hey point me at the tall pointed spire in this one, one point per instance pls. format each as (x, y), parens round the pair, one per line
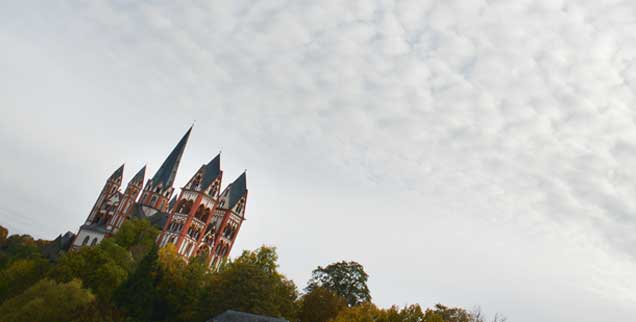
(212, 171)
(118, 173)
(168, 170)
(238, 189)
(139, 177)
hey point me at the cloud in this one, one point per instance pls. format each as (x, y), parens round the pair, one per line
(503, 128)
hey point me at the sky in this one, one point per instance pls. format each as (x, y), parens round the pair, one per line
(466, 152)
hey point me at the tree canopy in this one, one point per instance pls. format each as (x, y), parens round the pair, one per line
(347, 279)
(128, 278)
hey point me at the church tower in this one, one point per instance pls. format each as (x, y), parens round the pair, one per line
(192, 211)
(127, 202)
(158, 190)
(227, 220)
(94, 230)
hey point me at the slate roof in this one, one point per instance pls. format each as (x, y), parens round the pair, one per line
(168, 170)
(59, 245)
(238, 189)
(172, 202)
(158, 220)
(139, 177)
(118, 173)
(234, 316)
(211, 171)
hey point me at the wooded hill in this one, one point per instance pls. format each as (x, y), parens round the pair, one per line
(126, 278)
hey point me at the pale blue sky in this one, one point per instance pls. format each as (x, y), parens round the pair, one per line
(465, 152)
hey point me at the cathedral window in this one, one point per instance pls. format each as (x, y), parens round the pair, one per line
(153, 200)
(196, 182)
(85, 242)
(94, 242)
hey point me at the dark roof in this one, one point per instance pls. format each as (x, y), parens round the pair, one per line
(234, 316)
(118, 173)
(100, 228)
(139, 177)
(158, 219)
(168, 170)
(211, 171)
(238, 189)
(172, 202)
(58, 246)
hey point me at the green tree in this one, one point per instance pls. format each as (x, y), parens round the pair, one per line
(101, 268)
(3, 235)
(320, 305)
(19, 247)
(138, 236)
(364, 312)
(252, 284)
(20, 275)
(447, 314)
(347, 279)
(47, 301)
(180, 285)
(137, 296)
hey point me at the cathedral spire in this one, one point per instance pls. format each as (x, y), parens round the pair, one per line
(138, 179)
(168, 171)
(118, 174)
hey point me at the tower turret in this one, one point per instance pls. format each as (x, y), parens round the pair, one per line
(192, 212)
(94, 229)
(127, 201)
(158, 190)
(227, 220)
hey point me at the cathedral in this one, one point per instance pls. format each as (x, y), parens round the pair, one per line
(201, 219)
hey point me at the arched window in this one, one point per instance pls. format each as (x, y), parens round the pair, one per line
(94, 242)
(196, 182)
(86, 241)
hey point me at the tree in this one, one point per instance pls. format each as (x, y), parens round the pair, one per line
(447, 314)
(363, 312)
(101, 268)
(251, 284)
(47, 301)
(320, 305)
(3, 235)
(19, 247)
(20, 275)
(138, 236)
(347, 279)
(138, 296)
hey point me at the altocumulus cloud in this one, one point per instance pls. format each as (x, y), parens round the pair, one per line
(468, 152)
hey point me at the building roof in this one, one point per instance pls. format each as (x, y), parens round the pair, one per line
(139, 177)
(157, 219)
(211, 171)
(238, 189)
(234, 316)
(55, 248)
(172, 202)
(118, 173)
(168, 170)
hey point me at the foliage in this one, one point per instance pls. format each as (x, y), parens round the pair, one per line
(128, 278)
(448, 314)
(101, 268)
(252, 284)
(3, 235)
(138, 296)
(47, 301)
(20, 275)
(138, 236)
(347, 279)
(17, 247)
(320, 305)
